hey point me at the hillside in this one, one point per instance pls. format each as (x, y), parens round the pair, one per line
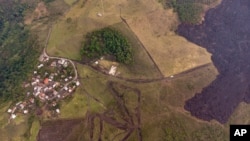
(137, 77)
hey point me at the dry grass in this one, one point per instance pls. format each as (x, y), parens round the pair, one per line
(66, 37)
(142, 66)
(148, 20)
(172, 53)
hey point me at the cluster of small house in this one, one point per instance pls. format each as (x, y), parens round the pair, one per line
(46, 86)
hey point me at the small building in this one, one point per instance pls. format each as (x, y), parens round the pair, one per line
(51, 76)
(32, 100)
(53, 64)
(58, 111)
(33, 83)
(70, 90)
(40, 66)
(66, 79)
(42, 96)
(56, 85)
(65, 64)
(46, 81)
(25, 111)
(36, 94)
(9, 110)
(54, 104)
(55, 92)
(99, 14)
(26, 85)
(61, 61)
(18, 103)
(45, 89)
(66, 88)
(13, 116)
(46, 59)
(112, 70)
(21, 105)
(77, 83)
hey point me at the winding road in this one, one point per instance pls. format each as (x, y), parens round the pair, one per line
(45, 54)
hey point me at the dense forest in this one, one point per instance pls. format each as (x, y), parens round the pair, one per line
(107, 41)
(18, 49)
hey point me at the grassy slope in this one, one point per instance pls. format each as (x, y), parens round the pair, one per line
(163, 116)
(13, 130)
(143, 66)
(34, 130)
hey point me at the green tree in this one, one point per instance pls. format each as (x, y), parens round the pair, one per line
(107, 41)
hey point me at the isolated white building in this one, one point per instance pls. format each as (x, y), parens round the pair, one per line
(112, 70)
(13, 116)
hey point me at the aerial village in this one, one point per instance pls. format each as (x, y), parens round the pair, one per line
(52, 80)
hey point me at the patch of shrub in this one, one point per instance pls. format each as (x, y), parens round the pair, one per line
(188, 10)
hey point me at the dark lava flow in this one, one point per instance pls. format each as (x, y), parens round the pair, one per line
(226, 34)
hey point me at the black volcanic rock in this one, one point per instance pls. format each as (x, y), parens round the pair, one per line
(226, 34)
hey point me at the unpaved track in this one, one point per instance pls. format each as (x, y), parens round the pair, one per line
(168, 78)
(45, 54)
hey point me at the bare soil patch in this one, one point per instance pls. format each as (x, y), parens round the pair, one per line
(39, 12)
(57, 130)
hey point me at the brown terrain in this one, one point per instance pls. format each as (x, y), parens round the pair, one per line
(39, 12)
(57, 130)
(120, 116)
(226, 34)
(129, 118)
